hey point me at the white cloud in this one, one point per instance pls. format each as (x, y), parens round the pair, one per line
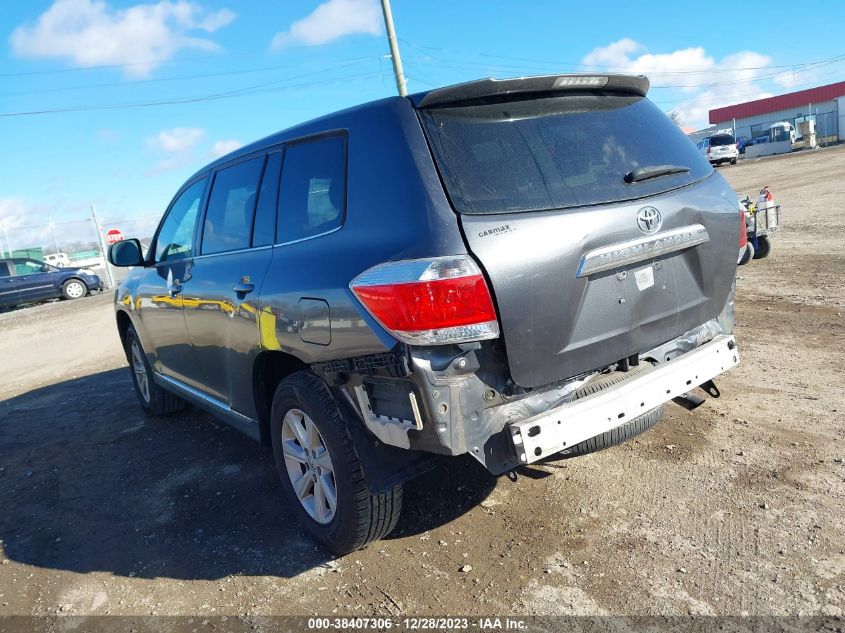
(331, 20)
(704, 82)
(175, 147)
(176, 140)
(90, 33)
(221, 148)
(12, 212)
(789, 79)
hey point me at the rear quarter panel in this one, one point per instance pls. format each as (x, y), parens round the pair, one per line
(396, 209)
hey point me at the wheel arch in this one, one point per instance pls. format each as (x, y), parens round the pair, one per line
(123, 323)
(268, 370)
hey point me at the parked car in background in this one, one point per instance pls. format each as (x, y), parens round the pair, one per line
(719, 148)
(468, 270)
(763, 137)
(24, 280)
(59, 260)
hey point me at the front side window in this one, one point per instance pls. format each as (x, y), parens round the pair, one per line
(312, 193)
(231, 207)
(30, 267)
(4, 269)
(176, 235)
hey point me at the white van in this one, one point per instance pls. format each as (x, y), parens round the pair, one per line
(59, 260)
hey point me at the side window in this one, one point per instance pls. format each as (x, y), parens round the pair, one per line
(176, 235)
(264, 229)
(231, 206)
(312, 193)
(4, 269)
(28, 266)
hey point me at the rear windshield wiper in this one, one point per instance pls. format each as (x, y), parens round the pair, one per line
(654, 171)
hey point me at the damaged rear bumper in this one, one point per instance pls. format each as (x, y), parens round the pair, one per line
(571, 423)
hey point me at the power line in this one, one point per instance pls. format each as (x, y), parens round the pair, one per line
(272, 86)
(738, 96)
(245, 71)
(155, 62)
(463, 54)
(469, 65)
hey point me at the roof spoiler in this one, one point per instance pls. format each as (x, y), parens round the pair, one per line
(471, 90)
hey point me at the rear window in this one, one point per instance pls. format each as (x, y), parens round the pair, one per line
(722, 139)
(312, 193)
(556, 152)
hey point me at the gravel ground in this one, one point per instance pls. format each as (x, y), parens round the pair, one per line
(734, 508)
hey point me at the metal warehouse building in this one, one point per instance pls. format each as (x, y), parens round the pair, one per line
(825, 104)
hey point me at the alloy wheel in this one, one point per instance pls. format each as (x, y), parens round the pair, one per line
(140, 371)
(309, 466)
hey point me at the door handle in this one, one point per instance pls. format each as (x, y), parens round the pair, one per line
(243, 288)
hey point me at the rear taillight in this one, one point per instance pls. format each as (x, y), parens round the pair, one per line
(743, 235)
(429, 301)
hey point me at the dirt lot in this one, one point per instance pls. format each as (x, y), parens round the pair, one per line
(736, 508)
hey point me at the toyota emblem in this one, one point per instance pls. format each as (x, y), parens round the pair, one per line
(649, 220)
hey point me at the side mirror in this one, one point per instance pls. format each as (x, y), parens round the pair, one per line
(126, 253)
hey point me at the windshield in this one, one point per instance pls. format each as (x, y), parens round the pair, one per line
(556, 152)
(722, 139)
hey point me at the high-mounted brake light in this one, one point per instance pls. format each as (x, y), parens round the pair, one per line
(429, 301)
(587, 81)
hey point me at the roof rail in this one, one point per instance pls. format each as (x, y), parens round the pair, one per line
(471, 90)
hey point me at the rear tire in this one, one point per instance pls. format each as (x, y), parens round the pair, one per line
(621, 433)
(74, 289)
(748, 255)
(154, 400)
(733, 161)
(316, 455)
(764, 247)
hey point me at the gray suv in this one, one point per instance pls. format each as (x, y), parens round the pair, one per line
(514, 269)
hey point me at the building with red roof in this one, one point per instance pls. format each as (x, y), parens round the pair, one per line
(826, 104)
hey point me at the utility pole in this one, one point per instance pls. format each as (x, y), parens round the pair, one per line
(52, 227)
(6, 235)
(102, 243)
(394, 49)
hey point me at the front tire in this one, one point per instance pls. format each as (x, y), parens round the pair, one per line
(74, 289)
(322, 477)
(154, 400)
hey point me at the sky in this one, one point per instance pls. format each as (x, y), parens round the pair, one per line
(116, 102)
